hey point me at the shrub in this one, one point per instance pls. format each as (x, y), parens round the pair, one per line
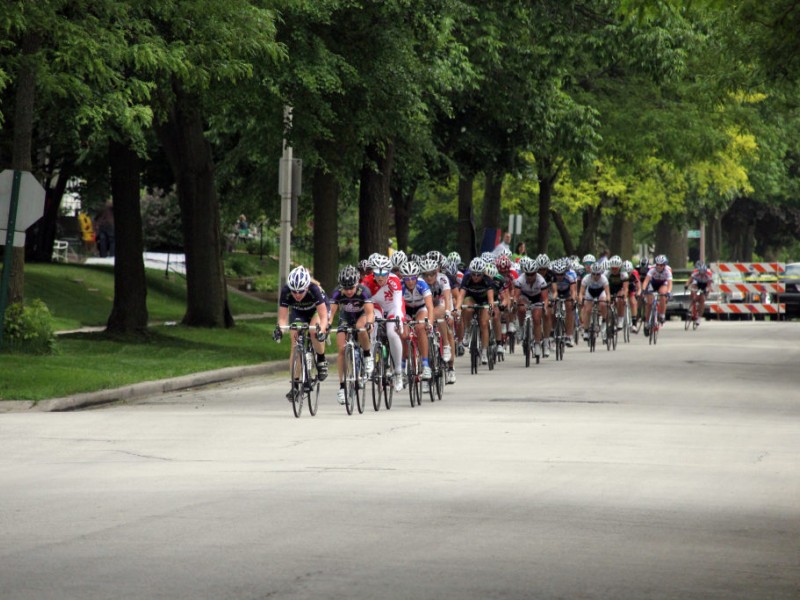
(29, 329)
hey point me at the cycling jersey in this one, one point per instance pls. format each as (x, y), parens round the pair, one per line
(699, 277)
(594, 287)
(439, 286)
(351, 308)
(659, 279)
(508, 279)
(388, 299)
(564, 284)
(634, 282)
(414, 298)
(531, 288)
(616, 281)
(477, 290)
(306, 307)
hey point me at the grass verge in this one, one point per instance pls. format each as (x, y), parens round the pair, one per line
(88, 362)
(82, 296)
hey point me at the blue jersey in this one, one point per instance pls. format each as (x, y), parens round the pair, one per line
(415, 297)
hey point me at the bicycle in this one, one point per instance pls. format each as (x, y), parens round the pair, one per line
(560, 326)
(611, 327)
(304, 387)
(474, 336)
(653, 324)
(413, 370)
(691, 317)
(436, 361)
(626, 323)
(527, 334)
(594, 324)
(384, 372)
(354, 376)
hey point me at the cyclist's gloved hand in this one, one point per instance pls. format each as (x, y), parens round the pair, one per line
(321, 335)
(369, 327)
(277, 334)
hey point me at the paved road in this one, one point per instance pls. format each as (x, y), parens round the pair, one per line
(653, 472)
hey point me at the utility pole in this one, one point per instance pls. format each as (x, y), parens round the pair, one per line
(285, 190)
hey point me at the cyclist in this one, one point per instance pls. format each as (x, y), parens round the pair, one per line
(543, 268)
(657, 281)
(531, 288)
(586, 263)
(442, 309)
(387, 300)
(634, 285)
(564, 285)
(418, 299)
(476, 288)
(356, 311)
(455, 276)
(701, 283)
(498, 282)
(308, 304)
(618, 284)
(509, 275)
(594, 285)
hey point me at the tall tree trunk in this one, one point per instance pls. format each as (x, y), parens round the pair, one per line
(325, 195)
(566, 239)
(129, 312)
(672, 241)
(591, 222)
(189, 154)
(39, 242)
(493, 191)
(21, 159)
(622, 236)
(403, 201)
(545, 199)
(466, 226)
(373, 200)
(714, 239)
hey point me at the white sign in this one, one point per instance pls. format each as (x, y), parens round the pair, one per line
(515, 224)
(30, 206)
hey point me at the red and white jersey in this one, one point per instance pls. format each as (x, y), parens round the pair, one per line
(704, 277)
(509, 278)
(389, 297)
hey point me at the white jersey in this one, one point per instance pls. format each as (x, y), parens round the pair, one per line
(388, 299)
(530, 288)
(658, 279)
(590, 283)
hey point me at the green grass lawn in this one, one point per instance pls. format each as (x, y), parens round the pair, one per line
(81, 296)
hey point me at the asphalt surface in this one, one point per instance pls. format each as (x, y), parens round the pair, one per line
(649, 472)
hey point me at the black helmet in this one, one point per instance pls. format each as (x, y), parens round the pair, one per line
(348, 276)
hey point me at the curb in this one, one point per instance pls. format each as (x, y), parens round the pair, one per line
(145, 388)
(148, 388)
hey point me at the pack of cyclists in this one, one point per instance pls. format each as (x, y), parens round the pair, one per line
(420, 292)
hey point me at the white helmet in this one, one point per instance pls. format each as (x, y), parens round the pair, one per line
(299, 279)
(478, 265)
(409, 269)
(379, 262)
(398, 258)
(589, 258)
(491, 271)
(428, 265)
(615, 262)
(598, 267)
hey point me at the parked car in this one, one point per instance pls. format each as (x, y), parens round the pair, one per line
(791, 297)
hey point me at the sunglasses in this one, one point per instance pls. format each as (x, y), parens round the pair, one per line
(381, 273)
(411, 278)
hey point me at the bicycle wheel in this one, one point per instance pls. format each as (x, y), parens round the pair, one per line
(361, 381)
(349, 379)
(527, 342)
(559, 337)
(312, 397)
(594, 327)
(297, 366)
(389, 373)
(377, 377)
(440, 377)
(474, 353)
(626, 329)
(411, 373)
(511, 337)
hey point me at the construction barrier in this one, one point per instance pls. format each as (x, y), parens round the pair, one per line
(760, 291)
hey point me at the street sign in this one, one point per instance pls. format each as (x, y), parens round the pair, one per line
(515, 224)
(693, 234)
(29, 205)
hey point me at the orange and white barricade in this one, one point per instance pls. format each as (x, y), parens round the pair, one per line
(763, 290)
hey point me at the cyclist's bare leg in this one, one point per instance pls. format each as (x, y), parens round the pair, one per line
(483, 320)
